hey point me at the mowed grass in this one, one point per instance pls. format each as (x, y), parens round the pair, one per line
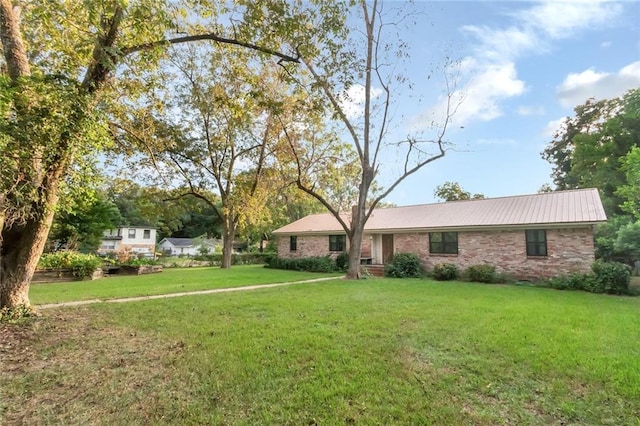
(340, 352)
(174, 280)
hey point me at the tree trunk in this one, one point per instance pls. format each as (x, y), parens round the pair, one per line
(15, 54)
(23, 245)
(355, 246)
(355, 238)
(228, 235)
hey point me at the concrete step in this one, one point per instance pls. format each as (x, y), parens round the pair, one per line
(373, 270)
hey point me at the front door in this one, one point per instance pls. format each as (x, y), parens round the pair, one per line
(387, 248)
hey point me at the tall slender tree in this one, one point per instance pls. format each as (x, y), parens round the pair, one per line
(59, 73)
(362, 71)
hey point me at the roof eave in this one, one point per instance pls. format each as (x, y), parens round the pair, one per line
(496, 227)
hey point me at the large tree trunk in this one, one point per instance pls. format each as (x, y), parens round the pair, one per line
(355, 238)
(19, 260)
(22, 242)
(228, 235)
(19, 254)
(355, 247)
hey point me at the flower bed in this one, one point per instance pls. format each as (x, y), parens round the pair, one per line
(57, 275)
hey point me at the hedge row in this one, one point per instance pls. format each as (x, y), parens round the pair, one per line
(606, 277)
(309, 264)
(215, 259)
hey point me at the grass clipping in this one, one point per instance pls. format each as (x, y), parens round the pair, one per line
(64, 368)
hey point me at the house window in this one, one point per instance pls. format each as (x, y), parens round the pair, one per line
(293, 243)
(132, 233)
(337, 242)
(108, 246)
(536, 242)
(146, 234)
(443, 242)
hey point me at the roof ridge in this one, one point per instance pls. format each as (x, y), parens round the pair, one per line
(492, 198)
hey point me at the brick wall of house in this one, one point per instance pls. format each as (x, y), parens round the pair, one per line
(308, 246)
(568, 250)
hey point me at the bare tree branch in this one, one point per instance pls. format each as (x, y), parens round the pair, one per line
(311, 191)
(336, 106)
(209, 36)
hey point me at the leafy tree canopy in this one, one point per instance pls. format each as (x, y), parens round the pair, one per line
(82, 228)
(452, 191)
(600, 147)
(588, 150)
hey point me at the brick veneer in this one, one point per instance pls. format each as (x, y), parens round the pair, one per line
(307, 246)
(569, 250)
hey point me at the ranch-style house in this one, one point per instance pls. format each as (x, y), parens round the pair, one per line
(526, 236)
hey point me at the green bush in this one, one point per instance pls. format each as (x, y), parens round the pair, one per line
(342, 261)
(445, 272)
(481, 273)
(82, 265)
(403, 265)
(607, 277)
(215, 259)
(575, 281)
(610, 277)
(309, 264)
(140, 262)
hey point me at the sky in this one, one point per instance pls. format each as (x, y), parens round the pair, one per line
(523, 67)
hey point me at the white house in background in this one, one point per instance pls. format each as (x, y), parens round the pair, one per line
(136, 239)
(189, 246)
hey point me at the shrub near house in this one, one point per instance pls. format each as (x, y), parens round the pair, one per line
(606, 277)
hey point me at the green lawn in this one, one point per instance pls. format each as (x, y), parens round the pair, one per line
(340, 352)
(174, 280)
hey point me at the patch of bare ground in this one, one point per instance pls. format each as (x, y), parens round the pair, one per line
(70, 367)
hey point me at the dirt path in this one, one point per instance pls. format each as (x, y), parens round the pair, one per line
(182, 294)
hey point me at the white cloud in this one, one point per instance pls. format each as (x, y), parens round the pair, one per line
(578, 87)
(497, 45)
(352, 101)
(534, 28)
(478, 100)
(490, 75)
(484, 91)
(605, 44)
(530, 110)
(553, 126)
(562, 19)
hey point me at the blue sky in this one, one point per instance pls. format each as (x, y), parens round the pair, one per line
(523, 67)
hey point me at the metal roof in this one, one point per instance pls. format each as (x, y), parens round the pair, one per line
(581, 206)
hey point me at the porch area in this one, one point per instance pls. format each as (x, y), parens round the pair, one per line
(377, 250)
